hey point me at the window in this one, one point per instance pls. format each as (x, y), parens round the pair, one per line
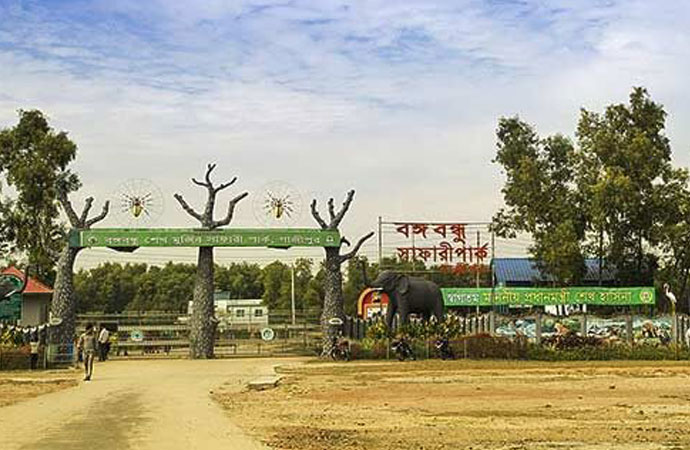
(239, 313)
(228, 309)
(258, 312)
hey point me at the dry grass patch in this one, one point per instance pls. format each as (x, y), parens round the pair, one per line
(16, 386)
(471, 404)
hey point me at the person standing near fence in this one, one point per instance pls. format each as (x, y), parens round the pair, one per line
(87, 345)
(103, 344)
(34, 344)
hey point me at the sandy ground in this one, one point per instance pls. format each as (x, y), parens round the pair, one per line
(472, 405)
(17, 386)
(136, 405)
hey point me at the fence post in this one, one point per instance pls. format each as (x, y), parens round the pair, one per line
(629, 328)
(492, 322)
(537, 330)
(583, 325)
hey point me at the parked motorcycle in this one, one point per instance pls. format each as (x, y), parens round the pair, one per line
(443, 348)
(402, 349)
(340, 349)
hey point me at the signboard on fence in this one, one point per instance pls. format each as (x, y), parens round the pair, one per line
(182, 237)
(549, 296)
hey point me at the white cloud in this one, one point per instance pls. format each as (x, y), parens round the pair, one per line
(397, 99)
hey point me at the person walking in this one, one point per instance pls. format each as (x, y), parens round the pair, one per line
(103, 344)
(87, 345)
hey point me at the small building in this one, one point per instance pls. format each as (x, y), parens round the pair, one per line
(238, 313)
(524, 272)
(372, 303)
(30, 308)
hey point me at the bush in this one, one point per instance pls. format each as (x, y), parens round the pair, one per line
(495, 347)
(15, 358)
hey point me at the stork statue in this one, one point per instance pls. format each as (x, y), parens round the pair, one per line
(670, 295)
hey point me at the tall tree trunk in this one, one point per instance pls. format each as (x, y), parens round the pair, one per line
(203, 323)
(64, 305)
(202, 327)
(333, 282)
(333, 298)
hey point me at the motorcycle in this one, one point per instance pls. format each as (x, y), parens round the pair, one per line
(403, 350)
(340, 350)
(443, 348)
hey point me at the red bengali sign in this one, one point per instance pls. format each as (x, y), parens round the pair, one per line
(455, 245)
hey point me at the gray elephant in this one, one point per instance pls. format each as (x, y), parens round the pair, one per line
(409, 295)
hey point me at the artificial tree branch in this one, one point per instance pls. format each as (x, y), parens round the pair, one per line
(101, 216)
(224, 185)
(69, 210)
(188, 208)
(199, 183)
(207, 184)
(85, 211)
(331, 209)
(209, 169)
(354, 251)
(346, 205)
(231, 211)
(317, 216)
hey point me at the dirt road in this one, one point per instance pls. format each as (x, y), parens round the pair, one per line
(137, 405)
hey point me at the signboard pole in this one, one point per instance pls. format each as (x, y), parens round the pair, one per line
(292, 290)
(380, 241)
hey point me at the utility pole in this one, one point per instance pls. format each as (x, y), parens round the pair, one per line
(292, 291)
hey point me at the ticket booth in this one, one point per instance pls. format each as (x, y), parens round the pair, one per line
(372, 303)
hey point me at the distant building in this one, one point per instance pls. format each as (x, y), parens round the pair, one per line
(238, 313)
(29, 308)
(524, 272)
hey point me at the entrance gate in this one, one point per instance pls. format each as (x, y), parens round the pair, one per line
(165, 333)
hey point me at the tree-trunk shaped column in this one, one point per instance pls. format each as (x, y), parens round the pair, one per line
(333, 282)
(63, 307)
(202, 325)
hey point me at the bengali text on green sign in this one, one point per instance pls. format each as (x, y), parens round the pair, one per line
(228, 237)
(548, 296)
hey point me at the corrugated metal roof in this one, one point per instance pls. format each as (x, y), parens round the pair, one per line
(525, 270)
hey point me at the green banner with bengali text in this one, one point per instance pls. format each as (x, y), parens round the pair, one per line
(183, 237)
(549, 296)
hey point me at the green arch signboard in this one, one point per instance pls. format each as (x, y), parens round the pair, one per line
(130, 238)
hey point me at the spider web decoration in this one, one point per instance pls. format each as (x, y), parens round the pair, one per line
(277, 204)
(137, 203)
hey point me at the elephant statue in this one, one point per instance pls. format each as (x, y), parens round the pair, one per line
(409, 295)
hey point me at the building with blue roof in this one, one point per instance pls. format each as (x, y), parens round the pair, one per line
(524, 272)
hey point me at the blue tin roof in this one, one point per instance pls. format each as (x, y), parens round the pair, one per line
(524, 271)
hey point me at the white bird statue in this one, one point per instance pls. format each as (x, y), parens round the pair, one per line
(669, 294)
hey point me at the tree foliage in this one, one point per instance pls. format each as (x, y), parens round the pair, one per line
(34, 160)
(613, 194)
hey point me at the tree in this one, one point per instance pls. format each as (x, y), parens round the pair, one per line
(673, 234)
(333, 282)
(541, 198)
(203, 323)
(607, 196)
(34, 160)
(64, 303)
(625, 159)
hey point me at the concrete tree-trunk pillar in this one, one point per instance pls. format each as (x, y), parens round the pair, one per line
(202, 324)
(203, 330)
(333, 281)
(63, 306)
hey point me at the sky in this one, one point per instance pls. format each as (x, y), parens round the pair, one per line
(397, 100)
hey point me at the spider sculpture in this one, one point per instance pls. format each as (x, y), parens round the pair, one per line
(279, 207)
(137, 205)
